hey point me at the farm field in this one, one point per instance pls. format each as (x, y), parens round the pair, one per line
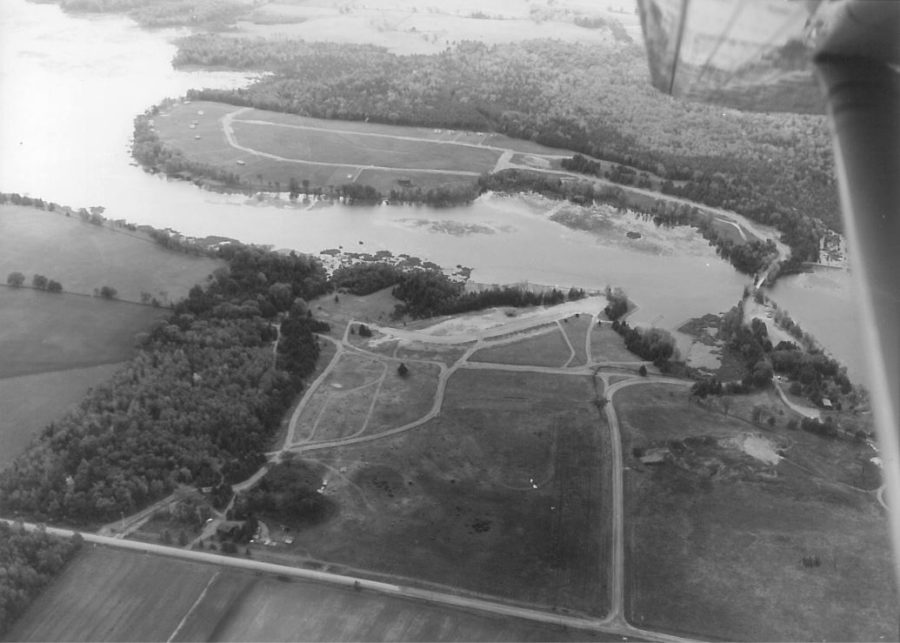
(504, 493)
(84, 257)
(732, 507)
(30, 402)
(41, 332)
(113, 595)
(108, 594)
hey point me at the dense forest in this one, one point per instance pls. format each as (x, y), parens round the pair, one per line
(197, 405)
(28, 562)
(775, 168)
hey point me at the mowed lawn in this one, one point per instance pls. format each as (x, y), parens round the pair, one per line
(30, 402)
(84, 257)
(107, 594)
(716, 538)
(504, 493)
(305, 143)
(547, 348)
(195, 128)
(41, 332)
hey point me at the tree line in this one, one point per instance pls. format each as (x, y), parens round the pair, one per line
(426, 292)
(203, 394)
(38, 282)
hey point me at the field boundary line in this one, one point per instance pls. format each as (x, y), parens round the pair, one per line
(193, 607)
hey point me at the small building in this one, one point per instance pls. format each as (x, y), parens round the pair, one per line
(654, 456)
(404, 182)
(826, 403)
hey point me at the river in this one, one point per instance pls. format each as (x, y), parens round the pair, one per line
(71, 86)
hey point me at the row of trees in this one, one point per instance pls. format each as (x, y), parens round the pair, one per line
(29, 560)
(203, 393)
(428, 292)
(38, 282)
(652, 344)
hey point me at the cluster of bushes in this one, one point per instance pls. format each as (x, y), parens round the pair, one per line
(29, 560)
(652, 344)
(203, 393)
(289, 490)
(618, 304)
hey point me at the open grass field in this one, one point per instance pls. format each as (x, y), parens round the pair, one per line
(268, 149)
(375, 307)
(367, 395)
(30, 402)
(716, 536)
(608, 345)
(83, 257)
(504, 493)
(41, 332)
(403, 399)
(326, 353)
(112, 595)
(549, 348)
(446, 353)
(310, 143)
(576, 329)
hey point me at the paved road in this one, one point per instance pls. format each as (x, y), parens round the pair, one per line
(430, 596)
(617, 598)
